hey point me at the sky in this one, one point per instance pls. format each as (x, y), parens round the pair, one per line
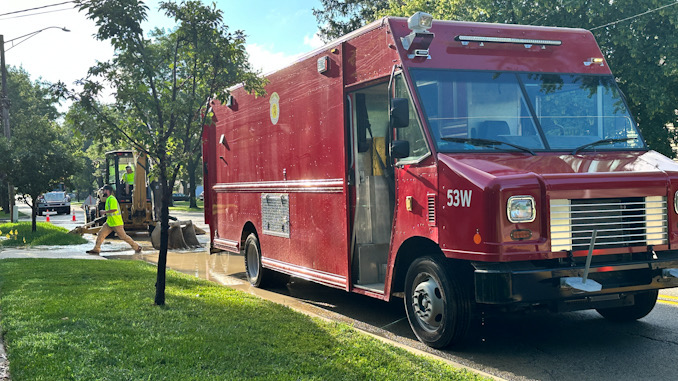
(277, 32)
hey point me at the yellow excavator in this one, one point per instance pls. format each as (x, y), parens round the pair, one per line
(137, 203)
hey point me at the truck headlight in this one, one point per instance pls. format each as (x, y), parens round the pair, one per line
(675, 202)
(521, 209)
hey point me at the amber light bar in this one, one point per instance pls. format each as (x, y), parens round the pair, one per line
(506, 40)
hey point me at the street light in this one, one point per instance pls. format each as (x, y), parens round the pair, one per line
(32, 34)
(4, 101)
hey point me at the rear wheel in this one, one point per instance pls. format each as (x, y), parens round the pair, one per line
(256, 274)
(644, 303)
(438, 303)
(253, 267)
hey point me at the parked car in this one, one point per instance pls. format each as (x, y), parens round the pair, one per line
(179, 197)
(56, 201)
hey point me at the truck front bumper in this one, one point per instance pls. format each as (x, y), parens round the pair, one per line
(539, 282)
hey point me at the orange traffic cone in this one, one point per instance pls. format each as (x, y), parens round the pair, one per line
(73, 216)
(47, 220)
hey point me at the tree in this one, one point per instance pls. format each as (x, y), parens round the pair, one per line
(163, 85)
(38, 155)
(641, 51)
(88, 139)
(338, 17)
(190, 175)
(38, 164)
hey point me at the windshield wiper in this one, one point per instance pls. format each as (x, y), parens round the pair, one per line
(486, 143)
(601, 141)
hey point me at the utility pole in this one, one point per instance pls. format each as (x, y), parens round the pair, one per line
(4, 105)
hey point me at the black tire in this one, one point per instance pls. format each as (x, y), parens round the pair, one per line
(256, 274)
(644, 303)
(438, 303)
(253, 268)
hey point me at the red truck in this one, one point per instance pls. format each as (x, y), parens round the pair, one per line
(460, 166)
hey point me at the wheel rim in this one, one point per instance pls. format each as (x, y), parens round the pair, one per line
(428, 303)
(252, 262)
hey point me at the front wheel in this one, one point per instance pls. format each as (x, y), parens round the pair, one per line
(643, 304)
(438, 303)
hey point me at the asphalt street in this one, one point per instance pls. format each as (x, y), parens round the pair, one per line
(539, 346)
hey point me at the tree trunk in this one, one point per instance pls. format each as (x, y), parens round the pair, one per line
(34, 213)
(164, 234)
(4, 195)
(192, 164)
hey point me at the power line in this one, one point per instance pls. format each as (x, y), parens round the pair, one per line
(36, 13)
(635, 16)
(32, 9)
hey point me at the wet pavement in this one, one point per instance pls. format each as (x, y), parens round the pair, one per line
(110, 248)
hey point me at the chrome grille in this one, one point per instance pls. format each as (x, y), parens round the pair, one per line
(431, 209)
(620, 222)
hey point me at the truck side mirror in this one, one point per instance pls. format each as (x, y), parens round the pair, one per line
(400, 149)
(400, 113)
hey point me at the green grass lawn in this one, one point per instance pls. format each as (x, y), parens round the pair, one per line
(183, 206)
(20, 234)
(66, 319)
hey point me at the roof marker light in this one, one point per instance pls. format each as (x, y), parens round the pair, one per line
(528, 42)
(594, 61)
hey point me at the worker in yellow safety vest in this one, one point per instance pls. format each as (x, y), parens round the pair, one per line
(128, 179)
(113, 223)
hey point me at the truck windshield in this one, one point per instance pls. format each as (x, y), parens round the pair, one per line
(537, 111)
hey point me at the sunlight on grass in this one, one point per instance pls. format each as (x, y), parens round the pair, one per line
(79, 319)
(20, 234)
